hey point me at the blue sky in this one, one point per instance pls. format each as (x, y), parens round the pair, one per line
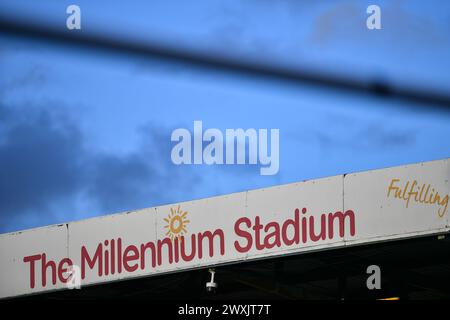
(85, 133)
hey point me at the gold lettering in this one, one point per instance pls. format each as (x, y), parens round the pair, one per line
(412, 191)
(445, 204)
(426, 194)
(391, 187)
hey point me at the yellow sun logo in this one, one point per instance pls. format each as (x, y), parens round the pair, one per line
(176, 223)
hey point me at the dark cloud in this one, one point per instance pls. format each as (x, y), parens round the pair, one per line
(142, 178)
(39, 162)
(369, 137)
(118, 183)
(347, 20)
(45, 168)
(337, 21)
(380, 136)
(34, 77)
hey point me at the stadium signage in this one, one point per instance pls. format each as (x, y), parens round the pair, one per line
(344, 210)
(112, 256)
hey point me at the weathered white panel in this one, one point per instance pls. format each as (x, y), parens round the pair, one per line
(14, 247)
(383, 216)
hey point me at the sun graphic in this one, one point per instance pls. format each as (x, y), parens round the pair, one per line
(176, 223)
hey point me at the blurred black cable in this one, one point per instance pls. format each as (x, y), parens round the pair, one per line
(172, 54)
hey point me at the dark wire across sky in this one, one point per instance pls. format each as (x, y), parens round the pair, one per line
(172, 54)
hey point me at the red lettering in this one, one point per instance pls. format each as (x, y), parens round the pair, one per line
(63, 269)
(295, 225)
(32, 260)
(210, 236)
(257, 228)
(144, 247)
(119, 255)
(113, 257)
(127, 257)
(183, 249)
(91, 262)
(244, 234)
(341, 218)
(45, 265)
(322, 234)
(275, 234)
(168, 243)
